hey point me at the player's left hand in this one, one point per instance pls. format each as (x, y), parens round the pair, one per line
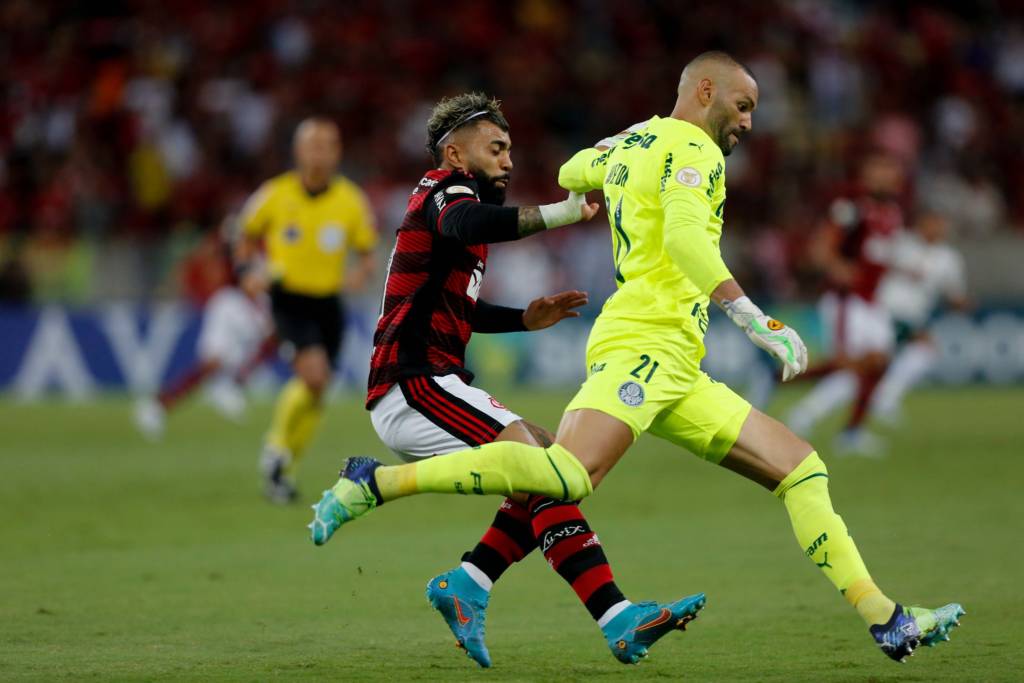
(356, 280)
(781, 341)
(358, 277)
(767, 333)
(548, 310)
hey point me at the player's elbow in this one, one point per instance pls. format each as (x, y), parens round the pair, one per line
(572, 175)
(567, 180)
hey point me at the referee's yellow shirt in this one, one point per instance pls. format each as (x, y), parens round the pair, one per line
(307, 237)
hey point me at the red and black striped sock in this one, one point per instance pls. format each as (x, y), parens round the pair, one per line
(575, 552)
(509, 539)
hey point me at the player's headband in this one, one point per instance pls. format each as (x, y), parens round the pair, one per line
(460, 123)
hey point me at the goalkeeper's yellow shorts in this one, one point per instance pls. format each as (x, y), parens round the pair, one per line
(651, 379)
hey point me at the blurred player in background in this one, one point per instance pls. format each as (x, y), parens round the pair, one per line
(853, 250)
(236, 337)
(926, 273)
(420, 399)
(664, 188)
(307, 221)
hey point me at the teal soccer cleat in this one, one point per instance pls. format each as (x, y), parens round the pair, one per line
(463, 604)
(352, 497)
(634, 630)
(912, 626)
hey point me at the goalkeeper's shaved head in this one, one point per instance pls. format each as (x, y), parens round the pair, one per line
(717, 93)
(713, 61)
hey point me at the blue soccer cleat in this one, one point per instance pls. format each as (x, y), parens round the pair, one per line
(463, 604)
(912, 626)
(634, 630)
(350, 498)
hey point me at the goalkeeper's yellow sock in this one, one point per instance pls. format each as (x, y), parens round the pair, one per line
(303, 430)
(500, 468)
(294, 401)
(824, 538)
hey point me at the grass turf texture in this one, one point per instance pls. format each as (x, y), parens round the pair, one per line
(125, 560)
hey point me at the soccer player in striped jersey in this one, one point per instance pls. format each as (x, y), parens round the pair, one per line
(664, 188)
(420, 398)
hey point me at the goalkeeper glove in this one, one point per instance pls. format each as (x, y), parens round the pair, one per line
(769, 334)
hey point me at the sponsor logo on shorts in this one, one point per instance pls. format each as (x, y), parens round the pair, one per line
(459, 189)
(631, 393)
(688, 176)
(774, 325)
(497, 404)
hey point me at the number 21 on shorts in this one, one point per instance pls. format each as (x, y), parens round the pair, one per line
(645, 360)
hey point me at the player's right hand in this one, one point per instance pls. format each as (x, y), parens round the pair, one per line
(588, 209)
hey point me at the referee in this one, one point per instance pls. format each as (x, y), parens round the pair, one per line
(306, 221)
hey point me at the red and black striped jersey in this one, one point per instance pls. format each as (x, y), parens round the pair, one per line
(431, 289)
(867, 227)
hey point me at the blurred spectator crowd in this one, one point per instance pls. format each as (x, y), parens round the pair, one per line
(130, 132)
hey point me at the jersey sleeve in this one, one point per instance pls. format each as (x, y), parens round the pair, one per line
(585, 171)
(685, 191)
(454, 209)
(450, 192)
(489, 318)
(255, 215)
(363, 232)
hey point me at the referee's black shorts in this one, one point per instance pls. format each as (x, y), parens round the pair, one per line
(303, 321)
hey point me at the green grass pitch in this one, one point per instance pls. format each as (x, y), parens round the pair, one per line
(126, 560)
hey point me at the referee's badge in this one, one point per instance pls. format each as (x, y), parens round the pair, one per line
(631, 393)
(331, 238)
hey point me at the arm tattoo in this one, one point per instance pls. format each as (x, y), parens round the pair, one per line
(541, 436)
(530, 221)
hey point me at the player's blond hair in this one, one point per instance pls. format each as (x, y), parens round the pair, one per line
(452, 113)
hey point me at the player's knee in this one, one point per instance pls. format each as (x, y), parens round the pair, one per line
(794, 451)
(575, 478)
(809, 473)
(317, 382)
(314, 370)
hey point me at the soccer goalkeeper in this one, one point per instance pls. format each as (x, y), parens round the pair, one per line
(664, 187)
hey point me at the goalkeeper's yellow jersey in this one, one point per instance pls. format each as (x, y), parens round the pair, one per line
(308, 236)
(664, 187)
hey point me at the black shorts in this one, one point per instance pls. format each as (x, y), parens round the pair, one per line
(303, 321)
